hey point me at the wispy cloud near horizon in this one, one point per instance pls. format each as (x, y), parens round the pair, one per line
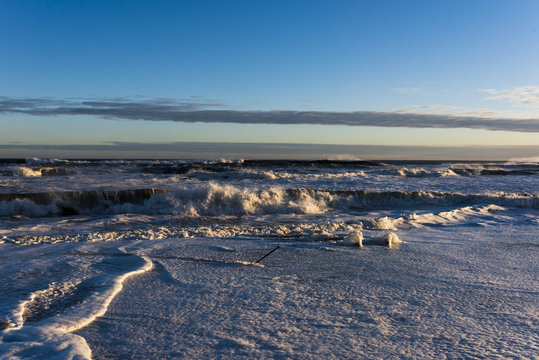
(527, 95)
(190, 111)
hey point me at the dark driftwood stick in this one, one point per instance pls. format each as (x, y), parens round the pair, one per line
(259, 260)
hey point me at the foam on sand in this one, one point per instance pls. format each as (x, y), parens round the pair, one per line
(465, 284)
(354, 238)
(127, 226)
(392, 240)
(36, 332)
(383, 223)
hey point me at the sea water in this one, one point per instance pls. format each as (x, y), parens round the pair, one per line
(159, 259)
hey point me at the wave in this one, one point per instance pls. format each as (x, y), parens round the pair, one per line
(444, 218)
(22, 171)
(534, 160)
(72, 202)
(468, 170)
(366, 200)
(216, 200)
(312, 163)
(186, 168)
(263, 169)
(320, 230)
(26, 172)
(268, 174)
(46, 161)
(226, 166)
(480, 170)
(420, 172)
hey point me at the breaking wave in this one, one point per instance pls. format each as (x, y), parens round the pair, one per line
(26, 172)
(22, 171)
(460, 170)
(215, 200)
(348, 230)
(420, 172)
(480, 170)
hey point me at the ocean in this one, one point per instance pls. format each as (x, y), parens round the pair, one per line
(140, 259)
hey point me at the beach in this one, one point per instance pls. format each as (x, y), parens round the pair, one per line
(165, 259)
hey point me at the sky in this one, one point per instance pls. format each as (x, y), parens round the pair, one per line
(428, 79)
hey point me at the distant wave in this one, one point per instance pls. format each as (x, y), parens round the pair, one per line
(466, 170)
(479, 170)
(221, 166)
(26, 172)
(23, 171)
(420, 172)
(264, 169)
(534, 160)
(215, 200)
(49, 161)
(321, 169)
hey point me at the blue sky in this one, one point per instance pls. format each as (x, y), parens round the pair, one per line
(435, 60)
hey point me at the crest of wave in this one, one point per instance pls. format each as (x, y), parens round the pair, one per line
(342, 157)
(26, 172)
(420, 172)
(528, 160)
(214, 199)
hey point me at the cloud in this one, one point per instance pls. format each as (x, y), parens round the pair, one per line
(483, 113)
(528, 95)
(208, 112)
(427, 109)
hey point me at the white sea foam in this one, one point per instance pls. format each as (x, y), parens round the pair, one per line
(46, 161)
(26, 172)
(524, 161)
(383, 223)
(52, 335)
(27, 208)
(355, 238)
(100, 230)
(456, 216)
(341, 175)
(215, 199)
(392, 240)
(420, 172)
(342, 157)
(316, 231)
(204, 223)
